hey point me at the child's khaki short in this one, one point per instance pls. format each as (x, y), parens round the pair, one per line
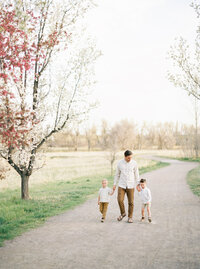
(146, 205)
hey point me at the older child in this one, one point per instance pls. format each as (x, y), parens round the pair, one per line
(145, 195)
(104, 198)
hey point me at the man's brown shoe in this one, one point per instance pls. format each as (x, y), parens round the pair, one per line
(121, 217)
(130, 220)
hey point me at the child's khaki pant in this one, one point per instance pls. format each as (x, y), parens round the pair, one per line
(103, 209)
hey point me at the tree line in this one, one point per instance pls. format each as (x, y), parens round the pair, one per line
(127, 134)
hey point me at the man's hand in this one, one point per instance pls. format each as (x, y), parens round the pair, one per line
(114, 188)
(112, 192)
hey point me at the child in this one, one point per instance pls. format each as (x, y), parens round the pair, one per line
(104, 198)
(145, 195)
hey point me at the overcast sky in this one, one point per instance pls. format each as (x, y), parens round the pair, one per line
(134, 37)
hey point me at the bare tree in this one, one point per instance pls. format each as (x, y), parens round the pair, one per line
(103, 138)
(165, 135)
(196, 127)
(112, 148)
(126, 132)
(91, 137)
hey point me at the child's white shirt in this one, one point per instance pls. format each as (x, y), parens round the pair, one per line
(104, 194)
(145, 195)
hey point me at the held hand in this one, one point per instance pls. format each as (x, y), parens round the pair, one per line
(98, 203)
(138, 187)
(114, 188)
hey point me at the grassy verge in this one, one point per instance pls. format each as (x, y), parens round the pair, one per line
(153, 167)
(50, 199)
(193, 179)
(187, 159)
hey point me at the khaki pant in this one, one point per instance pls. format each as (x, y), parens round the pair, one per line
(130, 196)
(103, 209)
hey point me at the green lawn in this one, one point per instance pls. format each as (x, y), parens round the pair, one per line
(193, 179)
(187, 159)
(52, 198)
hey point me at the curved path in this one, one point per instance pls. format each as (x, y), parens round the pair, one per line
(77, 239)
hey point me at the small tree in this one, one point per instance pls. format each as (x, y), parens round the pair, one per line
(103, 138)
(91, 137)
(125, 132)
(112, 148)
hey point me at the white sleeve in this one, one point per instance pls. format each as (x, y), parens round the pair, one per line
(149, 194)
(137, 178)
(117, 175)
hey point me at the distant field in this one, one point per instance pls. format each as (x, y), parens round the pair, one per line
(69, 165)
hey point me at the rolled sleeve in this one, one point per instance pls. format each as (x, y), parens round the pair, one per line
(117, 175)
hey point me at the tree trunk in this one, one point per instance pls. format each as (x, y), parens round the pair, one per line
(24, 187)
(89, 145)
(196, 130)
(111, 167)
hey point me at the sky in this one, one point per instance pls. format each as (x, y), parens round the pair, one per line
(134, 37)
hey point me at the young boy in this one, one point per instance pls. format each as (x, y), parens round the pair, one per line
(104, 198)
(145, 195)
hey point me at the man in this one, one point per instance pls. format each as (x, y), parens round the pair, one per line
(127, 175)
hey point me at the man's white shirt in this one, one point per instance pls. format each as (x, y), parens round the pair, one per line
(145, 195)
(127, 174)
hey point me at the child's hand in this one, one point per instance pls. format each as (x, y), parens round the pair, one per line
(98, 203)
(138, 188)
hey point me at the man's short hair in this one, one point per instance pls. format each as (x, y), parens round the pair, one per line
(128, 153)
(142, 180)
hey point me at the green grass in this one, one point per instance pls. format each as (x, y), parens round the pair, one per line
(193, 179)
(187, 159)
(50, 199)
(153, 167)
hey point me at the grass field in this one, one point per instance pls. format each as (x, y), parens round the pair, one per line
(48, 199)
(69, 165)
(193, 179)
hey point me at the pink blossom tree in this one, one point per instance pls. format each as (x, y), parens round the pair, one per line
(42, 88)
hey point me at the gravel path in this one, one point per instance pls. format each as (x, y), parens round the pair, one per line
(77, 239)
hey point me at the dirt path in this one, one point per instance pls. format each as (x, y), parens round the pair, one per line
(77, 239)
